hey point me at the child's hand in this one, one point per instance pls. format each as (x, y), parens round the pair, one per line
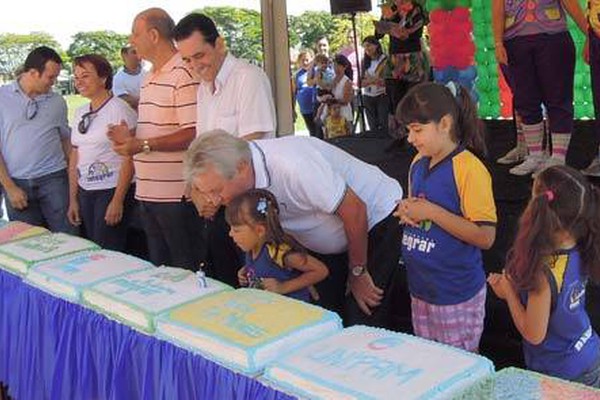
(272, 285)
(243, 277)
(500, 284)
(401, 213)
(413, 210)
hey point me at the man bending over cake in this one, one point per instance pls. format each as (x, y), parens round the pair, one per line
(335, 205)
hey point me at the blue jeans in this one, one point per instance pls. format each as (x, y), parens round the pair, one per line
(47, 202)
(93, 205)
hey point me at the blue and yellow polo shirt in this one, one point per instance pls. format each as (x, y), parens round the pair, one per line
(442, 269)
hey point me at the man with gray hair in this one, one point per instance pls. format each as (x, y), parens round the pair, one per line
(165, 128)
(335, 205)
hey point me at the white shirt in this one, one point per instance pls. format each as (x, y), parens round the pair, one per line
(241, 104)
(98, 165)
(338, 93)
(309, 178)
(125, 83)
(374, 90)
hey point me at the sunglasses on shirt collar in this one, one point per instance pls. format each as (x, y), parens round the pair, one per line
(86, 120)
(31, 110)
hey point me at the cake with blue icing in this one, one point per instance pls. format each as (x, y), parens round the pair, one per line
(137, 298)
(515, 383)
(371, 363)
(245, 329)
(68, 276)
(18, 256)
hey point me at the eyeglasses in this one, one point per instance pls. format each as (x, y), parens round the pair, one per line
(86, 119)
(85, 122)
(31, 110)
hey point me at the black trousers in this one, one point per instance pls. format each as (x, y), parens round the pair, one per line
(383, 265)
(223, 258)
(174, 233)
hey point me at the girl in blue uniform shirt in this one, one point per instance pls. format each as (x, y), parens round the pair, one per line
(449, 215)
(556, 250)
(274, 260)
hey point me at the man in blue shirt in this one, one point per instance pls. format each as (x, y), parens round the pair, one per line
(34, 144)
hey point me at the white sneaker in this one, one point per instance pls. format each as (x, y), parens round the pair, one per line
(594, 168)
(531, 164)
(548, 162)
(515, 155)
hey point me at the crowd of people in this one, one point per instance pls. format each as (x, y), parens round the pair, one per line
(381, 79)
(196, 149)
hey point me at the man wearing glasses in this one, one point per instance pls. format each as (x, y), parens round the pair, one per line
(34, 142)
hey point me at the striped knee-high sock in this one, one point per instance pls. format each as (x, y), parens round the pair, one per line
(560, 145)
(519, 125)
(533, 137)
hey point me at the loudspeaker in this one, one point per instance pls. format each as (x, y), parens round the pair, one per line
(349, 6)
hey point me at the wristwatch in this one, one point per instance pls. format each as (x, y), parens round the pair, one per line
(146, 146)
(358, 270)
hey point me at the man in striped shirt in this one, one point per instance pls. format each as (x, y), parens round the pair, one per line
(166, 126)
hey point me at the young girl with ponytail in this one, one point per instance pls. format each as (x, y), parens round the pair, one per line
(449, 215)
(275, 261)
(556, 251)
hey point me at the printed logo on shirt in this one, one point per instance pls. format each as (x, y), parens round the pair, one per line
(425, 225)
(418, 243)
(584, 339)
(577, 291)
(98, 172)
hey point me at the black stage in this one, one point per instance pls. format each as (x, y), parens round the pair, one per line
(501, 341)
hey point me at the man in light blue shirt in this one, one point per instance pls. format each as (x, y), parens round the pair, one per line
(34, 144)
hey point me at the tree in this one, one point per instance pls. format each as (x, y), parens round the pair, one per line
(14, 49)
(242, 30)
(305, 29)
(105, 43)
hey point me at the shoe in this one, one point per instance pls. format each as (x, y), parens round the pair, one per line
(516, 155)
(594, 168)
(531, 164)
(548, 162)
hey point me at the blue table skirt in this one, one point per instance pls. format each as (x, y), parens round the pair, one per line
(53, 349)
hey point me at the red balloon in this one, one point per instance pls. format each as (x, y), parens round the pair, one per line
(451, 38)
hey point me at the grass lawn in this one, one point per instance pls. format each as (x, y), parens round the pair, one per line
(74, 101)
(299, 125)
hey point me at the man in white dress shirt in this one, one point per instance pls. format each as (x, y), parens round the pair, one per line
(234, 96)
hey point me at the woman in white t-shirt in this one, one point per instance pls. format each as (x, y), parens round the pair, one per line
(375, 98)
(342, 92)
(100, 194)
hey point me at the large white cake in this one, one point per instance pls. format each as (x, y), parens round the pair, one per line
(245, 329)
(372, 363)
(20, 255)
(515, 383)
(15, 230)
(138, 298)
(69, 275)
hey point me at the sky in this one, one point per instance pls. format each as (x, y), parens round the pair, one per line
(64, 18)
